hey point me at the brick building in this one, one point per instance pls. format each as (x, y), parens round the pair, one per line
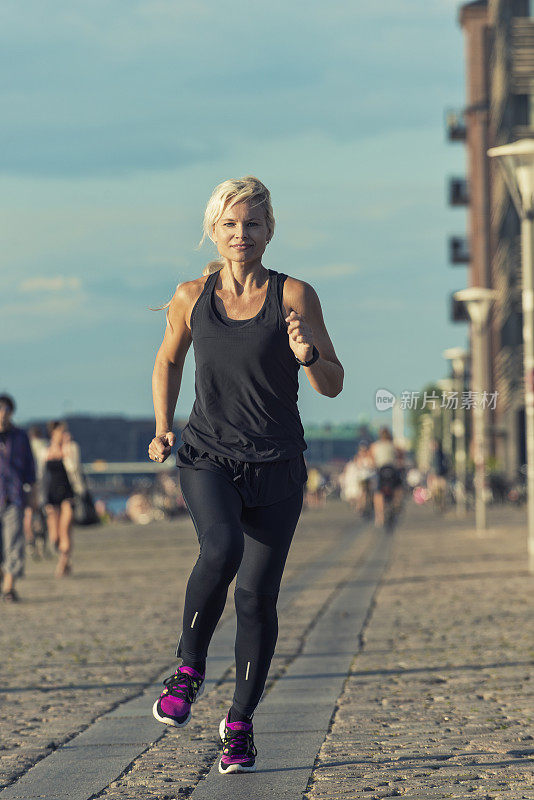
(499, 56)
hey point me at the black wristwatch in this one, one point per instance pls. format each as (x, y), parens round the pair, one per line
(313, 359)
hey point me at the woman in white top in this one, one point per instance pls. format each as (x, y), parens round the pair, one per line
(60, 478)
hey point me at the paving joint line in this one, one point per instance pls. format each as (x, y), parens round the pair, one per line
(315, 566)
(57, 745)
(360, 649)
(340, 585)
(289, 759)
(143, 686)
(290, 593)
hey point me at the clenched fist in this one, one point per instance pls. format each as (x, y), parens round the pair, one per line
(161, 446)
(300, 336)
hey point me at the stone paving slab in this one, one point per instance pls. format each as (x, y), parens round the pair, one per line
(90, 772)
(173, 766)
(115, 727)
(293, 719)
(74, 649)
(439, 703)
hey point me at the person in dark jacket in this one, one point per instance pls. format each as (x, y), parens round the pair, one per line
(17, 471)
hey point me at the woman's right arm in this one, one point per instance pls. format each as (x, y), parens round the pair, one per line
(168, 368)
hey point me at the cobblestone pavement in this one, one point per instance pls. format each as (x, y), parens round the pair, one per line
(174, 764)
(74, 648)
(439, 704)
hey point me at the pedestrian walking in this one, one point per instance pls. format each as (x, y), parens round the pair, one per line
(437, 475)
(358, 480)
(35, 527)
(241, 463)
(17, 475)
(389, 482)
(315, 488)
(61, 480)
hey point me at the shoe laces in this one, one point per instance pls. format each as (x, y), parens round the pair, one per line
(182, 685)
(238, 743)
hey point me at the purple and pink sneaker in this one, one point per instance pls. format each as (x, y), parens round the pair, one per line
(239, 753)
(173, 706)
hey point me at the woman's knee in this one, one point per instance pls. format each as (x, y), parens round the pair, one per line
(221, 550)
(254, 606)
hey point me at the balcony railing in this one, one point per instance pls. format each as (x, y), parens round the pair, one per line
(458, 310)
(522, 54)
(458, 192)
(459, 250)
(455, 126)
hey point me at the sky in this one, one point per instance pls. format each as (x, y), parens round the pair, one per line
(120, 117)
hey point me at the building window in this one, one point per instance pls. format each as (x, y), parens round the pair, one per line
(512, 330)
(522, 8)
(523, 110)
(520, 104)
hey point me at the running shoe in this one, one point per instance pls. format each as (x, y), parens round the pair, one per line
(173, 706)
(239, 753)
(11, 596)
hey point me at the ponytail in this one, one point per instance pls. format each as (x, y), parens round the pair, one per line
(213, 266)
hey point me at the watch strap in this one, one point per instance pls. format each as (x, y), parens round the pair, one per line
(312, 360)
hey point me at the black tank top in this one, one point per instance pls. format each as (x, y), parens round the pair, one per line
(246, 381)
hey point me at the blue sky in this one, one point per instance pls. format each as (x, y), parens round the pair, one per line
(120, 117)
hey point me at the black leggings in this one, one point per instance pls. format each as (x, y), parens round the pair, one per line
(252, 543)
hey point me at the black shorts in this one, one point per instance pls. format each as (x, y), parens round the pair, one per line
(57, 494)
(388, 477)
(259, 483)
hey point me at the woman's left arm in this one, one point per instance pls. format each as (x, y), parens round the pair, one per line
(74, 464)
(306, 328)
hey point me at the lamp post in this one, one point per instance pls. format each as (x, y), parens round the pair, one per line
(517, 163)
(477, 300)
(424, 455)
(458, 358)
(446, 385)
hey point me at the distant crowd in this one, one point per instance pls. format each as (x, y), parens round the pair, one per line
(372, 482)
(43, 491)
(41, 487)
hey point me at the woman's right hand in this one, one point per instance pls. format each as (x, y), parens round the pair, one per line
(161, 446)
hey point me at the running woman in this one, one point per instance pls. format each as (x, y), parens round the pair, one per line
(242, 469)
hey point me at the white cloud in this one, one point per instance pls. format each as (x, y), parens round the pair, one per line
(57, 283)
(78, 315)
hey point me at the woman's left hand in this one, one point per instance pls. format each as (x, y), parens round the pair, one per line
(300, 336)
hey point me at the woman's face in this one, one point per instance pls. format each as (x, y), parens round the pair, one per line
(56, 437)
(241, 234)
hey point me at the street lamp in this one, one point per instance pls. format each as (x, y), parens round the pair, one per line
(446, 385)
(458, 358)
(477, 300)
(517, 163)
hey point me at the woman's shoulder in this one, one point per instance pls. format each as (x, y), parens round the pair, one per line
(185, 297)
(296, 286)
(190, 290)
(297, 293)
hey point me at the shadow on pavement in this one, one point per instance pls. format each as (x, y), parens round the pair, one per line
(441, 668)
(464, 576)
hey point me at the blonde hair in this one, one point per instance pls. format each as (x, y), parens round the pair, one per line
(226, 195)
